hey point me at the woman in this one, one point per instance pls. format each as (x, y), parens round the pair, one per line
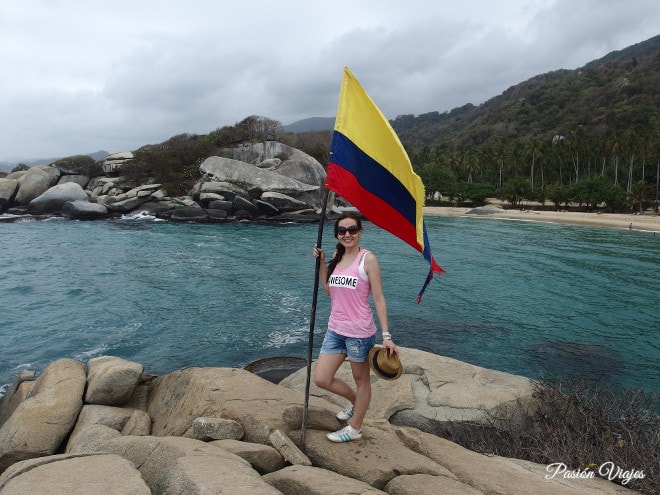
(350, 276)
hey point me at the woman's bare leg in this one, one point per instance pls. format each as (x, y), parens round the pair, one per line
(362, 377)
(324, 376)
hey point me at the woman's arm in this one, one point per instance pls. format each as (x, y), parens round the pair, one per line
(323, 269)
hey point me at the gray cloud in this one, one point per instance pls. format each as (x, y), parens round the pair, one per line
(79, 77)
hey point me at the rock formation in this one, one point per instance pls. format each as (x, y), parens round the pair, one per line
(266, 180)
(112, 429)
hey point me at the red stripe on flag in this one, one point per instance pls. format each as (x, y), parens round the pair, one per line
(373, 207)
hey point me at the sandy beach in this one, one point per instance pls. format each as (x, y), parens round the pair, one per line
(646, 223)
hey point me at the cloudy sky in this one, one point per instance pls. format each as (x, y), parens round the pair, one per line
(78, 76)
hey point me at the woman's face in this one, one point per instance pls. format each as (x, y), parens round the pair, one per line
(348, 232)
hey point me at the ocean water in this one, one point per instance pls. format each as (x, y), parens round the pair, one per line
(522, 297)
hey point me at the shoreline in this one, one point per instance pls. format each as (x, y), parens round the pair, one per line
(643, 223)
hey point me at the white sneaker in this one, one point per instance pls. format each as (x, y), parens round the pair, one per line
(346, 414)
(344, 435)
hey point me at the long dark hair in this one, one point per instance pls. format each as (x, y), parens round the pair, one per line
(340, 249)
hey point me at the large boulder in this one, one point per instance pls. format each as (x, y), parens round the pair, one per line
(184, 465)
(111, 380)
(41, 422)
(177, 399)
(263, 458)
(54, 198)
(426, 484)
(90, 438)
(302, 167)
(113, 162)
(266, 154)
(206, 429)
(8, 188)
(435, 391)
(189, 214)
(240, 203)
(282, 202)
(35, 182)
(99, 423)
(16, 175)
(221, 189)
(16, 393)
(125, 206)
(81, 180)
(82, 209)
(376, 459)
(316, 481)
(106, 474)
(253, 178)
(281, 158)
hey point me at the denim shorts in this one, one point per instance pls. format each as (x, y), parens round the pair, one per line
(356, 349)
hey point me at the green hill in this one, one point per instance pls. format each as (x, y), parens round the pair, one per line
(617, 93)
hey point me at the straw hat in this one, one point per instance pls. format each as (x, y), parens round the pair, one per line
(384, 366)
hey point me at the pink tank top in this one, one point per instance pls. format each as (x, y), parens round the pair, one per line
(350, 313)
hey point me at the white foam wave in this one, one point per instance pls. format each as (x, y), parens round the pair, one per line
(141, 215)
(281, 338)
(98, 351)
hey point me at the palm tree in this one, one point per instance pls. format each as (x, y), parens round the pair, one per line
(613, 147)
(500, 154)
(631, 141)
(638, 194)
(576, 144)
(471, 163)
(535, 147)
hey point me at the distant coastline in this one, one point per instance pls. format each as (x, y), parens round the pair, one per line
(649, 223)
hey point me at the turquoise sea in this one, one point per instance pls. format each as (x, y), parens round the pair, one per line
(523, 297)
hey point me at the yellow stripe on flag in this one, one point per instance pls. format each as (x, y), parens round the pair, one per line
(360, 120)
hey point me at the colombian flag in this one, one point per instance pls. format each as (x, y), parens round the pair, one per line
(369, 167)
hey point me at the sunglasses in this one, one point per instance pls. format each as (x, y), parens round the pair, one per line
(353, 229)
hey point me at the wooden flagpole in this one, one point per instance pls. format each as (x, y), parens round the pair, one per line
(312, 318)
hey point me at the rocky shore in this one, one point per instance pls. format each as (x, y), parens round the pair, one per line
(267, 180)
(108, 427)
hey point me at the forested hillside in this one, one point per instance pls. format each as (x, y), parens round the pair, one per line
(588, 135)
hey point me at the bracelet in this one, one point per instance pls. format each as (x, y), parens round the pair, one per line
(387, 336)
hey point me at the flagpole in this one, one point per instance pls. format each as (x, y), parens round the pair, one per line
(312, 318)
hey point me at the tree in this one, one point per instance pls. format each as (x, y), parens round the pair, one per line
(438, 178)
(20, 167)
(515, 190)
(590, 191)
(173, 163)
(476, 192)
(471, 164)
(500, 154)
(638, 194)
(559, 150)
(614, 196)
(632, 142)
(535, 148)
(613, 146)
(575, 146)
(558, 194)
